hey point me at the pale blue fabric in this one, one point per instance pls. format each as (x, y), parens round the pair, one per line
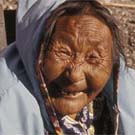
(31, 18)
(19, 110)
(126, 99)
(21, 56)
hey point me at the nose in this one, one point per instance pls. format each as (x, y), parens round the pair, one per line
(75, 73)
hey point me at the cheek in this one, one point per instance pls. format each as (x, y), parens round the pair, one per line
(98, 76)
(52, 69)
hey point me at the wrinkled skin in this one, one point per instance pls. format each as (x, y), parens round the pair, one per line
(78, 63)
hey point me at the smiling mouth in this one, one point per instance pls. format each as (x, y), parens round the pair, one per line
(72, 91)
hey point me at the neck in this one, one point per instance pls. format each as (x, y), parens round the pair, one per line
(73, 116)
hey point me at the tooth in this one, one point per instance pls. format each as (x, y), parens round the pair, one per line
(64, 92)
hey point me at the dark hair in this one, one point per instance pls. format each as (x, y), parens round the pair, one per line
(85, 7)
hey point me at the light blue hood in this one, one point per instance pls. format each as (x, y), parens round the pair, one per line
(21, 56)
(31, 18)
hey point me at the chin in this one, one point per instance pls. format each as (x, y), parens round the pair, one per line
(66, 106)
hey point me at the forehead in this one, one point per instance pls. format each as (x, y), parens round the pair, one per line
(82, 30)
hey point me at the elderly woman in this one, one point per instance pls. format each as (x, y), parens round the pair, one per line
(65, 74)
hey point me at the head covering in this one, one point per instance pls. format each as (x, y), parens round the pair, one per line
(31, 16)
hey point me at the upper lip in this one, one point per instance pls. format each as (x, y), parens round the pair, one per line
(57, 89)
(79, 86)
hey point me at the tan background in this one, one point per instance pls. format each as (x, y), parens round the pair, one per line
(2, 29)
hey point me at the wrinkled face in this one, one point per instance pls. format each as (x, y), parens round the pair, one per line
(78, 63)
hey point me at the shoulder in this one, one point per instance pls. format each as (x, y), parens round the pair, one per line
(126, 85)
(126, 98)
(126, 75)
(7, 78)
(19, 110)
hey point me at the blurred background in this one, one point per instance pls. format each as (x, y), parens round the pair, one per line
(123, 11)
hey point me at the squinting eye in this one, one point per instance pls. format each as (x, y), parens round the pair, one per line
(92, 57)
(63, 53)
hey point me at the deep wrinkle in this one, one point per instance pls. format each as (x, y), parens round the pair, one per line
(79, 60)
(80, 32)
